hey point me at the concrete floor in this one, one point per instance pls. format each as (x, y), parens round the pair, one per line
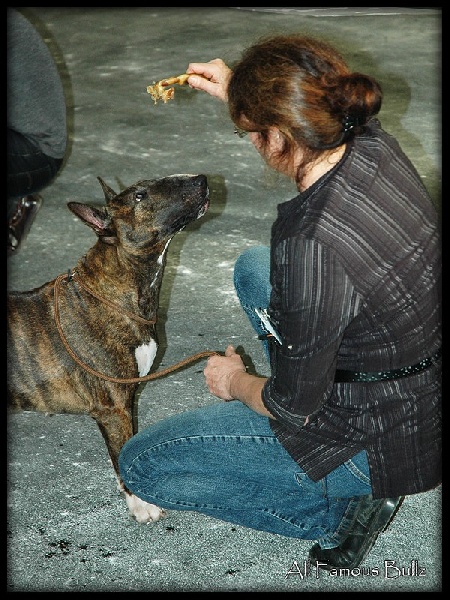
(68, 528)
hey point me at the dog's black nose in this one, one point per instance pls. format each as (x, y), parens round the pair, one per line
(200, 180)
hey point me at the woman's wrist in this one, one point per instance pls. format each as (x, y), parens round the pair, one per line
(235, 384)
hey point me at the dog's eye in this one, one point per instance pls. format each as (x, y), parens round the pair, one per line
(140, 196)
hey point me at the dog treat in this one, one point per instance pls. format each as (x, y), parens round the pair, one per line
(160, 90)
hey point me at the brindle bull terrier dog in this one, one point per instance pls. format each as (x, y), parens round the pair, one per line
(72, 341)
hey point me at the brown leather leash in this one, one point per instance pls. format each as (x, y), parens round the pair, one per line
(182, 363)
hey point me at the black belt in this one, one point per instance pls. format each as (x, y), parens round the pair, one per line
(343, 376)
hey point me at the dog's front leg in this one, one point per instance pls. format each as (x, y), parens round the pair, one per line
(142, 511)
(116, 427)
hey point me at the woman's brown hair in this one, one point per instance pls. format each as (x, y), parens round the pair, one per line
(302, 86)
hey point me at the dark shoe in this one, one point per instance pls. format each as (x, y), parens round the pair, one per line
(373, 517)
(21, 221)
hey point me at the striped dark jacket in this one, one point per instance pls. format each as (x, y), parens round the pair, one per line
(356, 276)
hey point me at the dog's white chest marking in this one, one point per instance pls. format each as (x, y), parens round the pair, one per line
(145, 355)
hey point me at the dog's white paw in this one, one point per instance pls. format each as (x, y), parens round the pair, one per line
(142, 511)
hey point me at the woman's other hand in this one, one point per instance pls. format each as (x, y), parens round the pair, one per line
(215, 77)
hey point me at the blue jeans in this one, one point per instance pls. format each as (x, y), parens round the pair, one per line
(224, 460)
(251, 281)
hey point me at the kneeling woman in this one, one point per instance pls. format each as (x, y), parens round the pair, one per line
(348, 422)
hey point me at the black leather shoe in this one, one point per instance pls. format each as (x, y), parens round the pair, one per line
(372, 517)
(20, 222)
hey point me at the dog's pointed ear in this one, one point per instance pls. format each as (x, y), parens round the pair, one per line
(109, 192)
(98, 219)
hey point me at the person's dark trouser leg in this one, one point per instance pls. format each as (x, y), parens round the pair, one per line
(29, 170)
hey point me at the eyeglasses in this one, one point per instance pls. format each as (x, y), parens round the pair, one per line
(240, 132)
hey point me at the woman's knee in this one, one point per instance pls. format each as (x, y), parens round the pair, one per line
(252, 276)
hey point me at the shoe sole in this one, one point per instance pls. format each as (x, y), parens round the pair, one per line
(395, 504)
